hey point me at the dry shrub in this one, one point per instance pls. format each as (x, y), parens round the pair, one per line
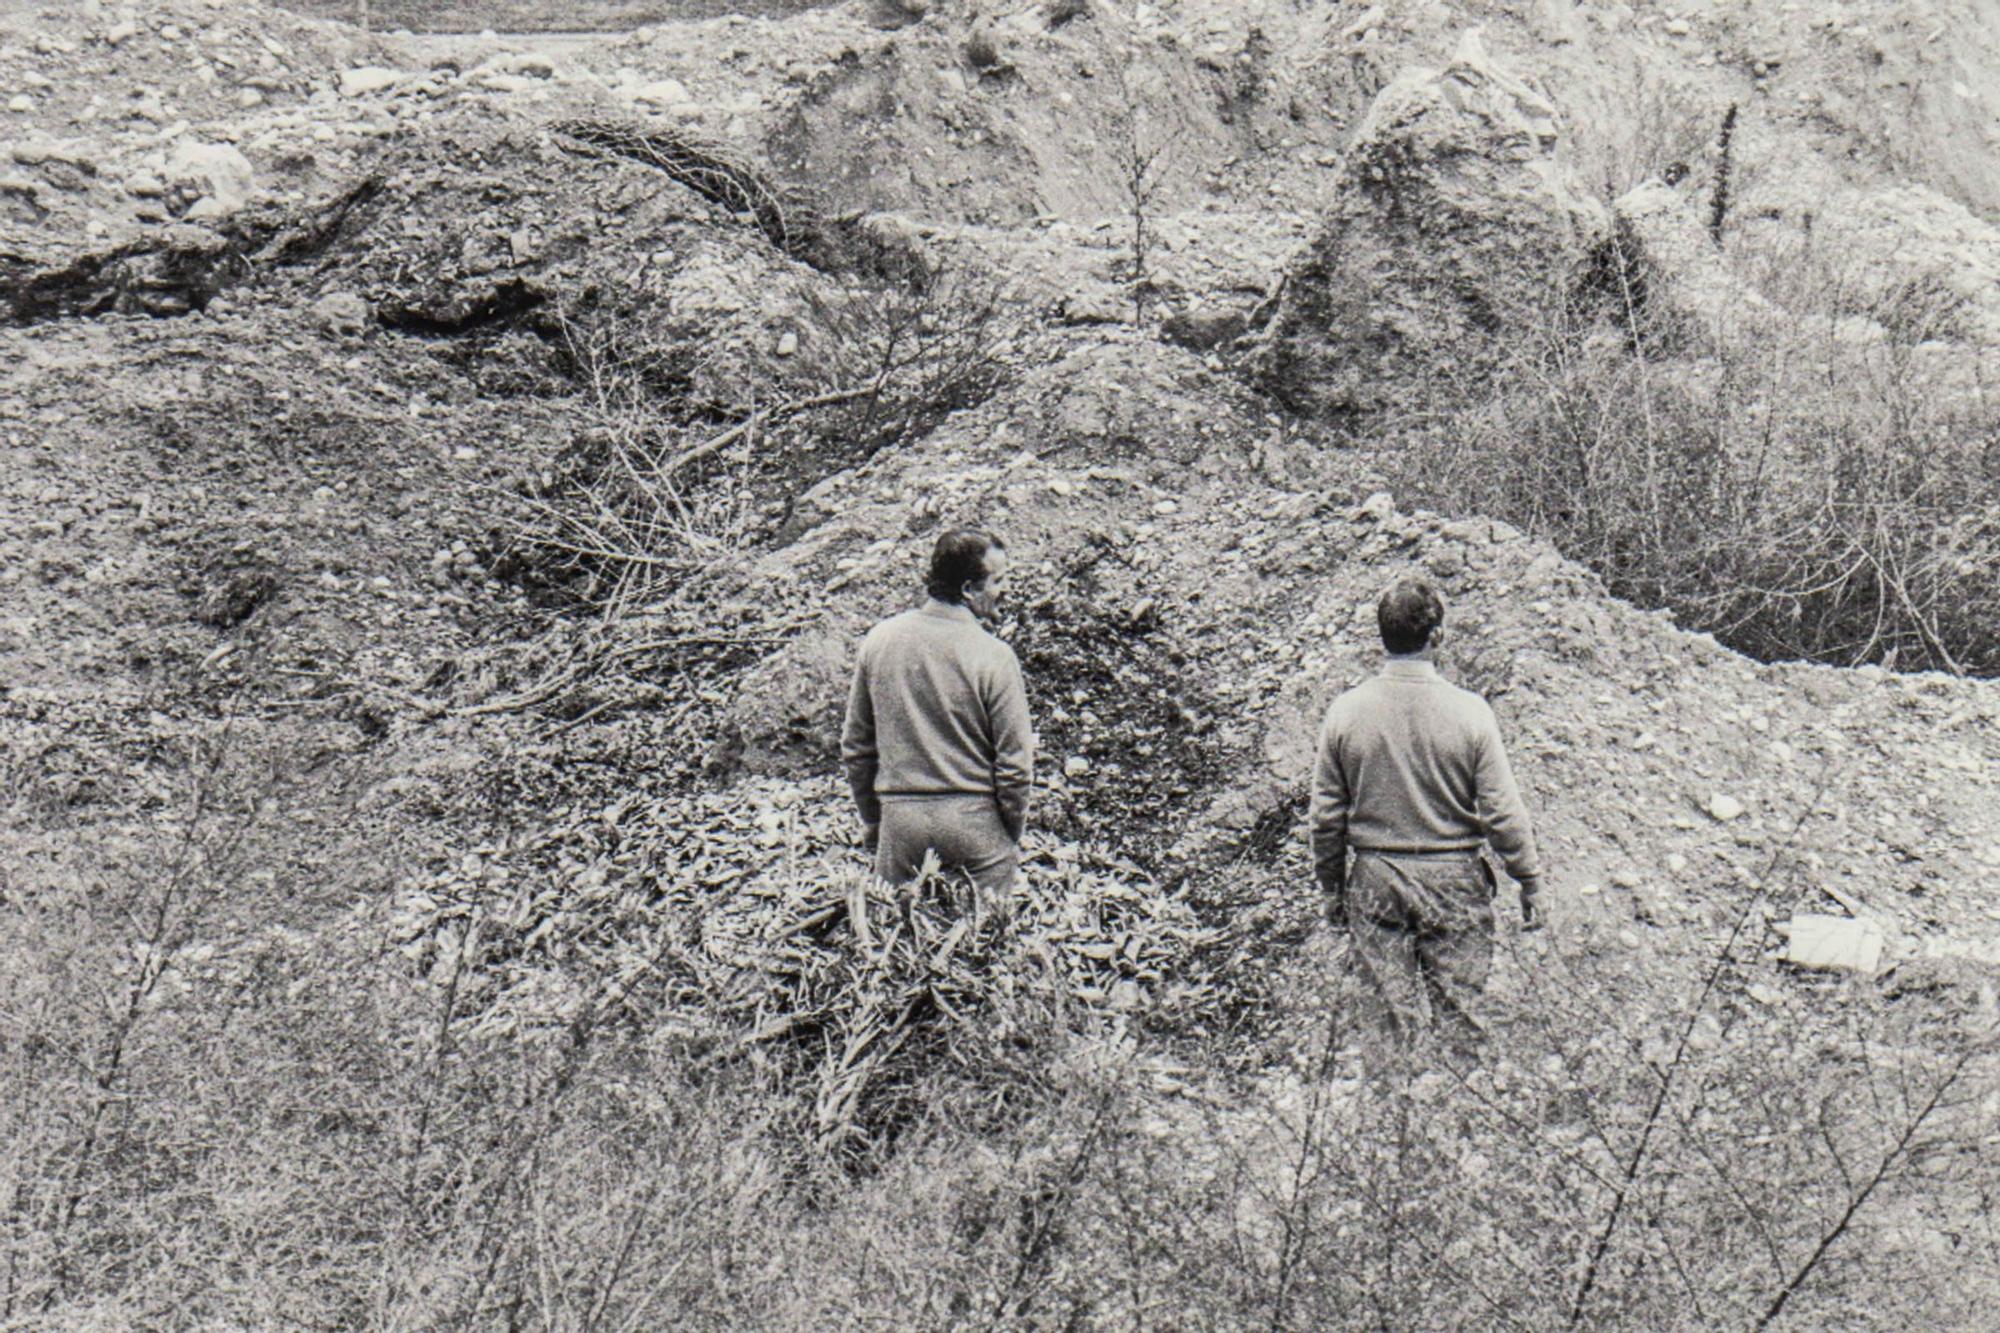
(943, 342)
(1144, 159)
(742, 925)
(1810, 486)
(1661, 131)
(1808, 276)
(655, 489)
(217, 1122)
(616, 512)
(1631, 1145)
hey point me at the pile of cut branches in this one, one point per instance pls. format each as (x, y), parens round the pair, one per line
(788, 217)
(744, 925)
(674, 654)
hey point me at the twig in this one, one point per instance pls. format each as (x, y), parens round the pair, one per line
(1667, 1075)
(1854, 1203)
(427, 707)
(1855, 907)
(537, 693)
(772, 634)
(761, 416)
(589, 714)
(1925, 630)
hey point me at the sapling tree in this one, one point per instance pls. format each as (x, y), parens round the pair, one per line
(1145, 153)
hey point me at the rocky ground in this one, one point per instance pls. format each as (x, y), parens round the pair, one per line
(315, 340)
(474, 16)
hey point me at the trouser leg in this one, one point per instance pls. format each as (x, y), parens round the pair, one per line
(893, 863)
(1423, 932)
(994, 876)
(1456, 958)
(1385, 947)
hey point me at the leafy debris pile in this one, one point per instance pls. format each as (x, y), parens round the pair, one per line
(1126, 737)
(741, 924)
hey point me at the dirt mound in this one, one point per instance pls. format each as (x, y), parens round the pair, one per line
(114, 118)
(1172, 561)
(1176, 524)
(1027, 118)
(473, 16)
(114, 71)
(1911, 86)
(1831, 97)
(477, 222)
(511, 513)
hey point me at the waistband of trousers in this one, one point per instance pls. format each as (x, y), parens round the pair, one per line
(934, 795)
(1422, 853)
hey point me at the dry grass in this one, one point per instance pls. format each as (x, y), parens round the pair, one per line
(210, 1122)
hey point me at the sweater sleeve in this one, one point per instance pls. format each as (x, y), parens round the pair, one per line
(857, 745)
(1501, 810)
(1327, 817)
(1013, 745)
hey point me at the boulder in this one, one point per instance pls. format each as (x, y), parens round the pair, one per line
(1455, 221)
(218, 175)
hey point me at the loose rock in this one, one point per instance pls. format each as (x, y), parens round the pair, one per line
(369, 79)
(663, 92)
(219, 173)
(1723, 808)
(343, 313)
(1834, 943)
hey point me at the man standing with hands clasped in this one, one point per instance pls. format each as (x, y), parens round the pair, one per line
(937, 744)
(1412, 777)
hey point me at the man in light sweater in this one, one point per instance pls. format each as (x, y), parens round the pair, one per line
(938, 748)
(1412, 778)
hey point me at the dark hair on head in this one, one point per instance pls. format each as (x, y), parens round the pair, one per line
(959, 558)
(1407, 614)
